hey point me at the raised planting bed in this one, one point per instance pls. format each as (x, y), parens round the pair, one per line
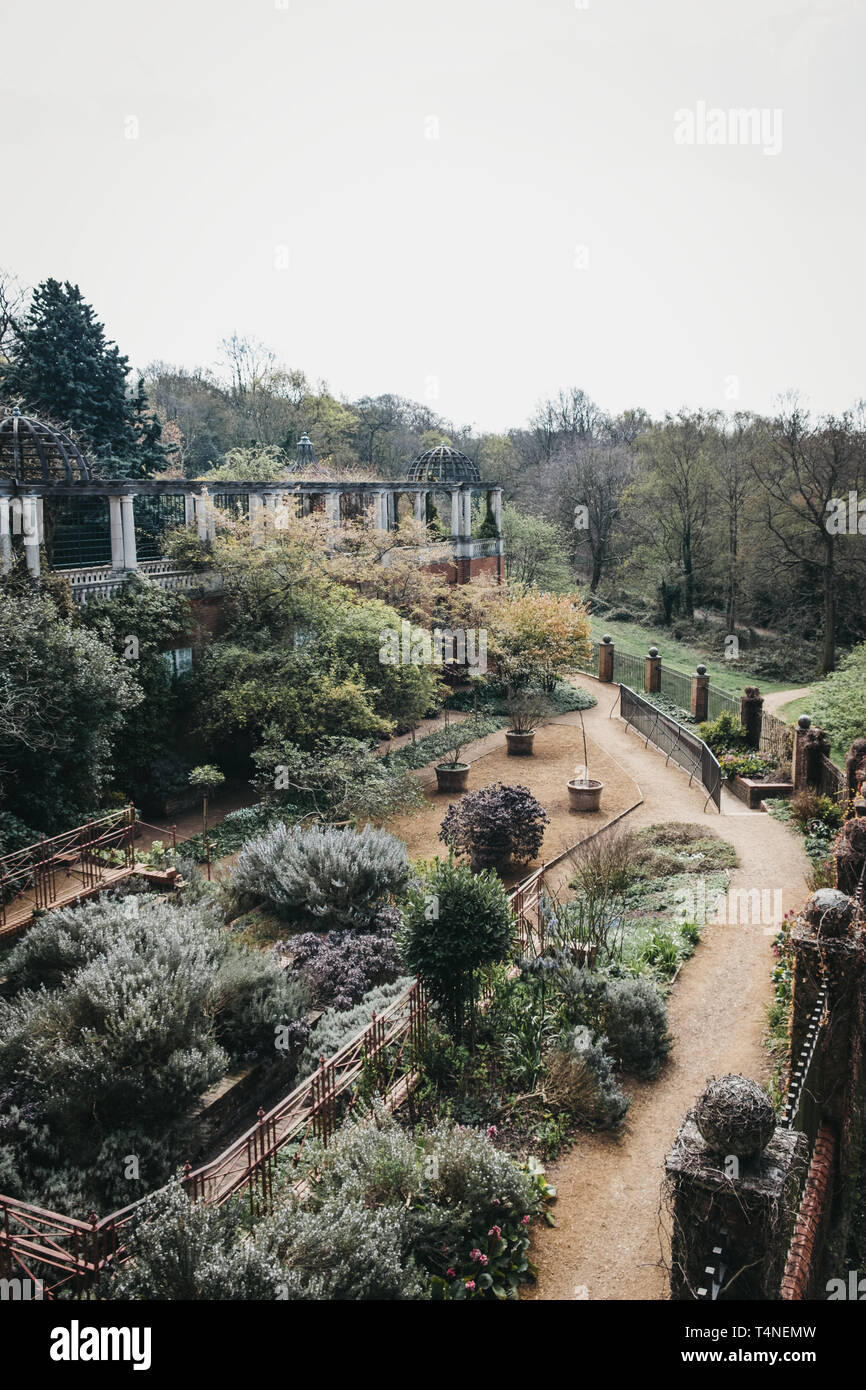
(753, 792)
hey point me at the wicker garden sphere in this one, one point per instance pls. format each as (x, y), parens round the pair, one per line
(443, 465)
(735, 1116)
(830, 912)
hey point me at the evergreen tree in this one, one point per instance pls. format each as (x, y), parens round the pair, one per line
(62, 365)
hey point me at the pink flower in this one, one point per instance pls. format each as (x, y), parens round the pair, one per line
(495, 1231)
(492, 1131)
(524, 1220)
(452, 1273)
(470, 1284)
(482, 1259)
(475, 1254)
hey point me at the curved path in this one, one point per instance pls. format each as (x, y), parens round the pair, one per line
(608, 1243)
(774, 702)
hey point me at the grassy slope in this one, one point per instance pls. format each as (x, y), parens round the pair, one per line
(683, 656)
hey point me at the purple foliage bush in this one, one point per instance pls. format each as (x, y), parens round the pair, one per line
(495, 824)
(343, 966)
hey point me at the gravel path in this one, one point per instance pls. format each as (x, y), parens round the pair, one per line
(608, 1243)
(782, 697)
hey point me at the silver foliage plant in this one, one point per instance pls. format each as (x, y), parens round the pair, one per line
(330, 877)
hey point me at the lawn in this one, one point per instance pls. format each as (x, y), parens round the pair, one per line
(637, 638)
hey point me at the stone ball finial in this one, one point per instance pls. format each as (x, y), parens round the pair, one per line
(830, 913)
(653, 651)
(735, 1116)
(607, 639)
(804, 722)
(701, 670)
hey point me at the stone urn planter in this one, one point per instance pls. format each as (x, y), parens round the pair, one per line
(586, 795)
(452, 777)
(519, 744)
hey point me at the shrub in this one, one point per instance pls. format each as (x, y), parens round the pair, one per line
(724, 734)
(337, 1027)
(138, 1001)
(341, 779)
(342, 967)
(808, 807)
(190, 1252)
(399, 1216)
(454, 924)
(495, 824)
(636, 1022)
(579, 1078)
(336, 877)
(252, 998)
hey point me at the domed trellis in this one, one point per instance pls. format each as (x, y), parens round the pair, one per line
(443, 465)
(304, 456)
(32, 451)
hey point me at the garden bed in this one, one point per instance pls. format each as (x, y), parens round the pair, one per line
(753, 792)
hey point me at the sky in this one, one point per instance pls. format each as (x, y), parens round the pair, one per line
(472, 203)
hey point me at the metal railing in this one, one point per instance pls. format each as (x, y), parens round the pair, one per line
(680, 745)
(802, 1108)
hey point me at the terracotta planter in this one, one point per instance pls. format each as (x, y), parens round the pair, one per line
(585, 796)
(519, 745)
(452, 777)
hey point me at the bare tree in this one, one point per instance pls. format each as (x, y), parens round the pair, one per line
(585, 481)
(803, 470)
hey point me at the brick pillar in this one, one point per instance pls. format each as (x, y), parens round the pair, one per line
(700, 694)
(746, 1210)
(799, 775)
(652, 680)
(605, 659)
(752, 714)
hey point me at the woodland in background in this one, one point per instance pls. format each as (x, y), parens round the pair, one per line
(701, 516)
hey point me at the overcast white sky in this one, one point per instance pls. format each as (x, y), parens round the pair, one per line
(421, 265)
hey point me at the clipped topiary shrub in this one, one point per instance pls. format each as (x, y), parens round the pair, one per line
(494, 825)
(330, 877)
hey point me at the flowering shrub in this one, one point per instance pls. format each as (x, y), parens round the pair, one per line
(495, 824)
(400, 1216)
(743, 765)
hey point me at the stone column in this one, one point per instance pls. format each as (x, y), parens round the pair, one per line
(467, 513)
(652, 681)
(381, 513)
(257, 510)
(5, 537)
(115, 530)
(497, 508)
(127, 518)
(605, 659)
(700, 694)
(201, 511)
(31, 532)
(189, 509)
(455, 513)
(332, 508)
(419, 504)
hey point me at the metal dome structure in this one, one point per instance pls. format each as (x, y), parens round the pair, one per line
(443, 465)
(304, 456)
(34, 452)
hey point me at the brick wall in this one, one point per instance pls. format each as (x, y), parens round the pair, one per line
(804, 1257)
